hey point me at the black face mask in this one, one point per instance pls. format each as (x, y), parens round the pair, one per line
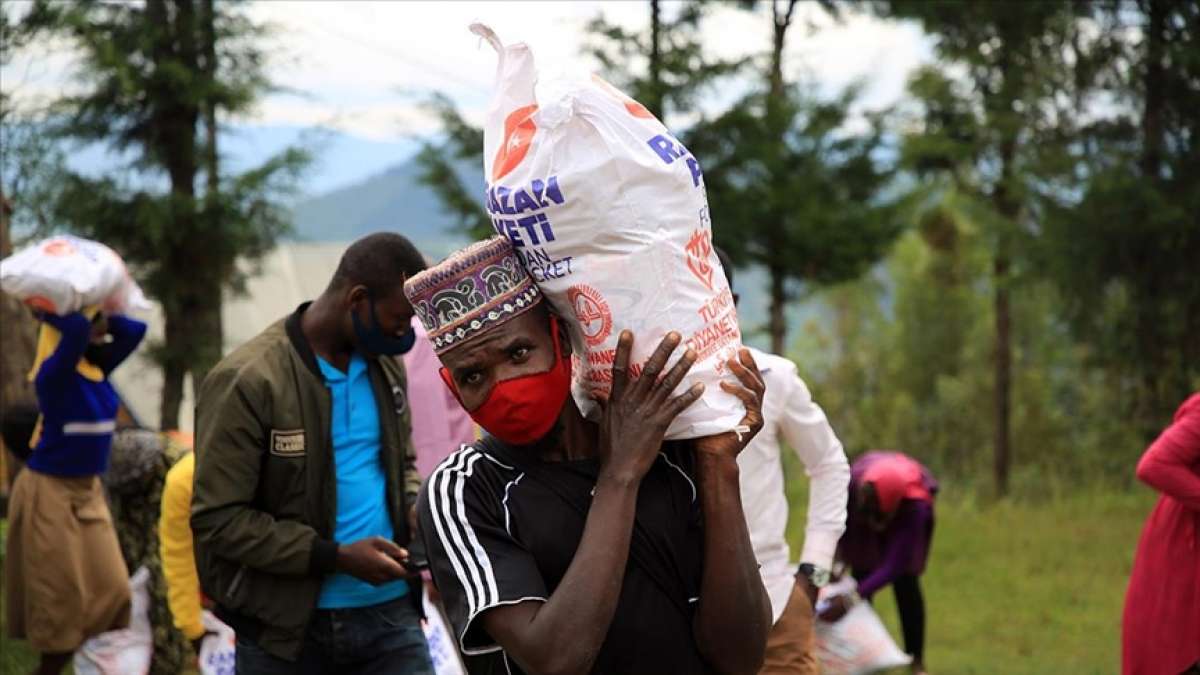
(373, 340)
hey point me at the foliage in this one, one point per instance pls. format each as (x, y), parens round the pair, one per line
(792, 189)
(984, 111)
(1122, 232)
(463, 143)
(1033, 585)
(148, 74)
(901, 359)
(677, 70)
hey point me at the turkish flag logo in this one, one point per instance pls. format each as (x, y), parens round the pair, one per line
(698, 250)
(631, 106)
(518, 134)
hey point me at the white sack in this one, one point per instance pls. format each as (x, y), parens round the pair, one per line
(609, 214)
(64, 274)
(126, 651)
(858, 643)
(443, 651)
(218, 649)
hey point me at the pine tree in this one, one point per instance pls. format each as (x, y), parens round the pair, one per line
(151, 73)
(988, 102)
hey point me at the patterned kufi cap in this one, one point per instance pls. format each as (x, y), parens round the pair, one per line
(471, 292)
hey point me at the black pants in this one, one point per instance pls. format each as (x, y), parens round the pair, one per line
(911, 605)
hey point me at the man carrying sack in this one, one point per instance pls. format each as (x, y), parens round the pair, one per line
(562, 545)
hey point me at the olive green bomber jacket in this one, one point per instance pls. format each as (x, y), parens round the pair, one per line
(264, 505)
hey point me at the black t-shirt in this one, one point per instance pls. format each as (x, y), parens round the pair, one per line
(500, 529)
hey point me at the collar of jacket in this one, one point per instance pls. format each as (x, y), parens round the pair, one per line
(299, 342)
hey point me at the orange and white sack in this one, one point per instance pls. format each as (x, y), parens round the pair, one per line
(609, 213)
(64, 274)
(858, 643)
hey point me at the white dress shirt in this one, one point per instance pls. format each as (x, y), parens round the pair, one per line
(791, 415)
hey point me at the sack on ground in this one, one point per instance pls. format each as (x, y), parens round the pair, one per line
(126, 651)
(64, 274)
(858, 643)
(608, 212)
(218, 649)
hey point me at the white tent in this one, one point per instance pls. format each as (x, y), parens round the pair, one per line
(291, 274)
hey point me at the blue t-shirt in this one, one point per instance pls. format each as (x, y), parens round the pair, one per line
(361, 487)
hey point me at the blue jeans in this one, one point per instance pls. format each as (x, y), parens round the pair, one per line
(377, 640)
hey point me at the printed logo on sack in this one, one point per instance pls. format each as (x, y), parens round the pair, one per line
(699, 248)
(519, 129)
(58, 248)
(591, 310)
(633, 107)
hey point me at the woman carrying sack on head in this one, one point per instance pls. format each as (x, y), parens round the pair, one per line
(65, 577)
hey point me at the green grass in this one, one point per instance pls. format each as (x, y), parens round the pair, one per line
(1021, 588)
(1011, 588)
(15, 657)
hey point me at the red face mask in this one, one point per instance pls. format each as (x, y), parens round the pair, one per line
(523, 409)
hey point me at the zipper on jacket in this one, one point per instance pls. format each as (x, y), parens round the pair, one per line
(236, 584)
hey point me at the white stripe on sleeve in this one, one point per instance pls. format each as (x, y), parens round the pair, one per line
(90, 428)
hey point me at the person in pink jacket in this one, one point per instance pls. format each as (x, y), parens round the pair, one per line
(1161, 626)
(439, 424)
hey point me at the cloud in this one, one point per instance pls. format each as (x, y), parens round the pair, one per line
(362, 62)
(365, 67)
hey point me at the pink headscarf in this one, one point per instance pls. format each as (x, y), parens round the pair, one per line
(896, 477)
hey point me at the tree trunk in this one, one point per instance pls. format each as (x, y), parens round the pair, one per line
(780, 21)
(174, 366)
(210, 329)
(656, 86)
(1155, 94)
(17, 346)
(1007, 206)
(777, 324)
(176, 144)
(1152, 405)
(209, 334)
(1003, 373)
(19, 339)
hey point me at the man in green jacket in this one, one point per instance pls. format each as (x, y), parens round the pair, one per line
(306, 480)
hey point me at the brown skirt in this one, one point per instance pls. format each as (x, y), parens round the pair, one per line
(64, 575)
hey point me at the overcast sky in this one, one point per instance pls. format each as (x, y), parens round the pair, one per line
(362, 67)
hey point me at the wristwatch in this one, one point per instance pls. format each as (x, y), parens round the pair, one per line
(817, 576)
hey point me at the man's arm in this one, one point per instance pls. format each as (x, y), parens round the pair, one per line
(230, 442)
(734, 614)
(564, 634)
(804, 426)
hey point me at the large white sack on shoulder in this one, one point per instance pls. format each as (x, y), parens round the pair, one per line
(64, 274)
(126, 651)
(858, 643)
(609, 214)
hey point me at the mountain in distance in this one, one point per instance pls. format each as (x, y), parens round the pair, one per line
(393, 200)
